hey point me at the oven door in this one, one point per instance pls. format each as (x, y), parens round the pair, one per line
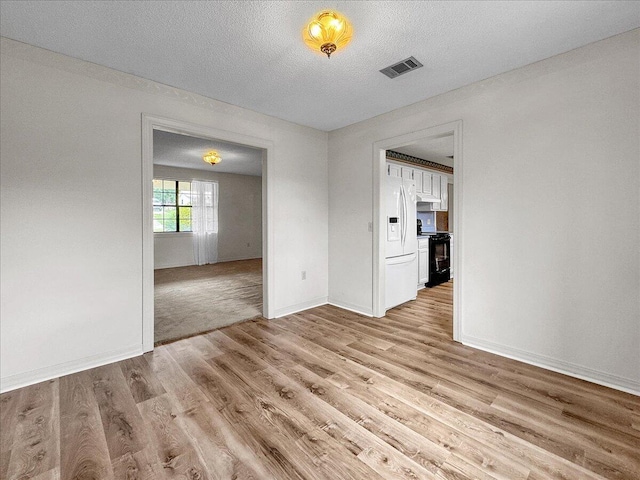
(439, 260)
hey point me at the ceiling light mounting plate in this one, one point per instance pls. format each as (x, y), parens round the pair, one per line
(328, 49)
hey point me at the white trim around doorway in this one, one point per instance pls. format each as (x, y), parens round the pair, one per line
(151, 123)
(379, 162)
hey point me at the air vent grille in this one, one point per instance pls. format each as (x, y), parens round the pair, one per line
(401, 68)
(411, 63)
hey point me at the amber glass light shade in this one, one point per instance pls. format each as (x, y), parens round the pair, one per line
(327, 32)
(212, 157)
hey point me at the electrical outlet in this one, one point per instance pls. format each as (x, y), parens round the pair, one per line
(304, 274)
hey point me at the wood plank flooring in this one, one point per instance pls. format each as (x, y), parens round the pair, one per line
(323, 394)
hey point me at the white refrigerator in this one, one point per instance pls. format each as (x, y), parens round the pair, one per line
(401, 247)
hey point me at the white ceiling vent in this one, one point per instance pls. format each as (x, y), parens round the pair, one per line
(401, 68)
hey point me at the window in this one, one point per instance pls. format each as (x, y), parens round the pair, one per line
(171, 206)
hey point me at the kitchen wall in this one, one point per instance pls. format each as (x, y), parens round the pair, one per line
(442, 221)
(428, 220)
(240, 219)
(71, 208)
(546, 149)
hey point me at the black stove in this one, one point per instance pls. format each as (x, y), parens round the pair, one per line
(439, 259)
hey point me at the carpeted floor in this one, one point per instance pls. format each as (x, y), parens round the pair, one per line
(195, 299)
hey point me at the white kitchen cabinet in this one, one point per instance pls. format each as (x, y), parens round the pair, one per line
(417, 176)
(441, 191)
(394, 170)
(444, 193)
(423, 262)
(427, 183)
(407, 173)
(435, 188)
(443, 206)
(430, 185)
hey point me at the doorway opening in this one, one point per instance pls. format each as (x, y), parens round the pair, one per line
(205, 233)
(207, 225)
(441, 215)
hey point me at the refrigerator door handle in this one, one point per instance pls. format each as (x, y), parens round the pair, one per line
(405, 214)
(402, 216)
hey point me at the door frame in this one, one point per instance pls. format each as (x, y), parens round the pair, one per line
(379, 163)
(151, 123)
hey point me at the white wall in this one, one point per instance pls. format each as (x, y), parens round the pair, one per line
(71, 272)
(550, 210)
(240, 218)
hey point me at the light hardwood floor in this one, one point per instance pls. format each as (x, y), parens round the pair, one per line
(324, 394)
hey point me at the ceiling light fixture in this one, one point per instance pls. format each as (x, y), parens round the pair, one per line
(327, 31)
(212, 157)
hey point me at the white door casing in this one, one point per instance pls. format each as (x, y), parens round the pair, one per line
(379, 214)
(151, 123)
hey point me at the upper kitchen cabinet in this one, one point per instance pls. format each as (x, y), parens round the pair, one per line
(417, 176)
(443, 194)
(394, 170)
(407, 173)
(431, 186)
(427, 183)
(397, 170)
(435, 186)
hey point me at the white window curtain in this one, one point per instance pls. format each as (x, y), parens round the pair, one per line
(204, 220)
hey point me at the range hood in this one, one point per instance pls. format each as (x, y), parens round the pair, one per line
(427, 199)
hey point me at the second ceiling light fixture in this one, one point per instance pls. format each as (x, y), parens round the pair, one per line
(212, 157)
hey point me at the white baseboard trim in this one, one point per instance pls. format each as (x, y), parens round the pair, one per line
(235, 259)
(220, 260)
(172, 265)
(555, 365)
(47, 373)
(367, 312)
(290, 310)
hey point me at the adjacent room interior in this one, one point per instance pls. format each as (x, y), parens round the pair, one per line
(207, 227)
(419, 206)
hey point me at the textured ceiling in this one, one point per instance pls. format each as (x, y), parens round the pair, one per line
(175, 150)
(250, 53)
